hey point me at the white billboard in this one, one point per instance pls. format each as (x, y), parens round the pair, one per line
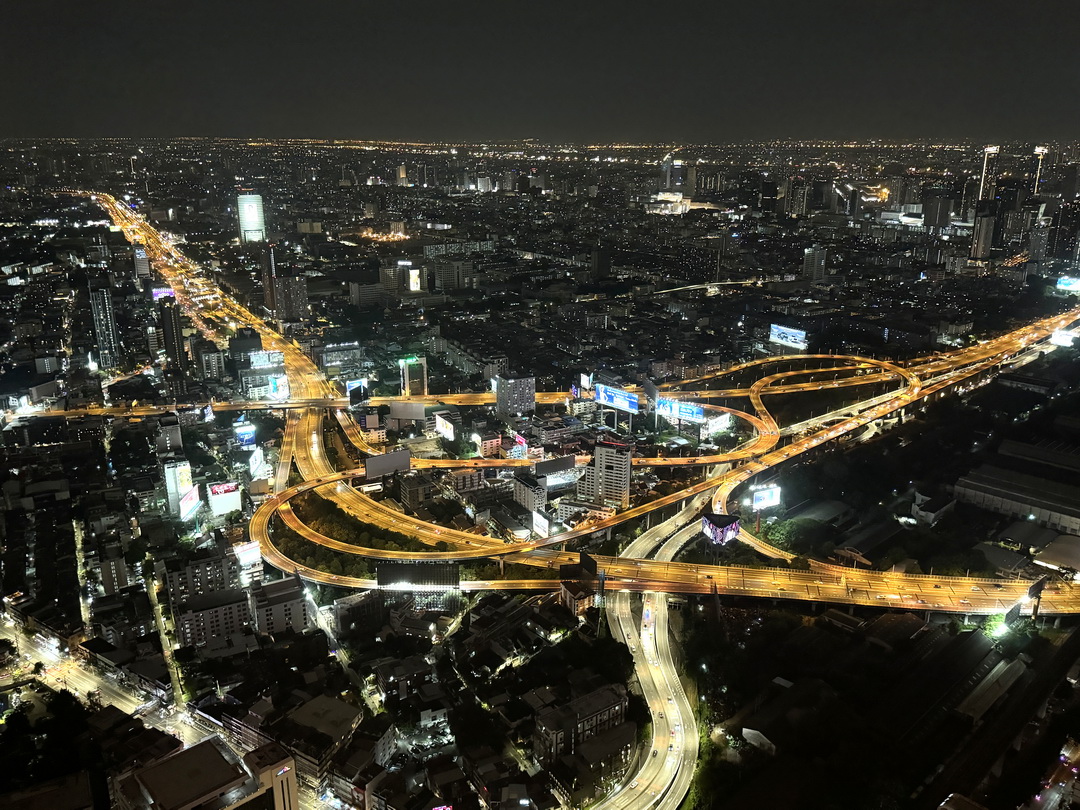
(1068, 284)
(718, 423)
(786, 336)
(265, 359)
(177, 484)
(444, 427)
(1062, 337)
(541, 524)
(224, 497)
(256, 462)
(189, 504)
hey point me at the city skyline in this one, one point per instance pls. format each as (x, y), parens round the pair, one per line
(574, 73)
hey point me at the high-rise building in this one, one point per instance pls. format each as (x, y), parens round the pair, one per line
(1061, 237)
(249, 211)
(607, 479)
(413, 376)
(797, 199)
(291, 298)
(530, 491)
(172, 329)
(269, 277)
(1039, 154)
(142, 262)
(813, 266)
(988, 178)
(514, 396)
(982, 235)
(402, 176)
(937, 206)
(108, 341)
(279, 606)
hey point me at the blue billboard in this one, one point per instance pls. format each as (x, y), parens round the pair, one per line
(245, 433)
(615, 398)
(1068, 284)
(678, 410)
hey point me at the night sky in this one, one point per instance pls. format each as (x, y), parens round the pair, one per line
(714, 70)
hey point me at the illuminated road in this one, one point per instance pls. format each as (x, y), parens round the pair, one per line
(663, 780)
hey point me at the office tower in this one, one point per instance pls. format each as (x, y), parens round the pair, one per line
(291, 298)
(1061, 236)
(982, 236)
(813, 266)
(989, 172)
(249, 209)
(607, 479)
(172, 329)
(599, 263)
(269, 276)
(413, 376)
(1040, 153)
(666, 167)
(402, 176)
(514, 396)
(797, 199)
(937, 208)
(142, 262)
(108, 342)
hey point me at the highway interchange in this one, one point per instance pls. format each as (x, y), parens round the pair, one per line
(646, 565)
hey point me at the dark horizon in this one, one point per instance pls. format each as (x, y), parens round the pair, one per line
(576, 73)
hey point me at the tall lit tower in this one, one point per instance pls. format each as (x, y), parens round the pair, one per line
(989, 172)
(1040, 153)
(249, 209)
(171, 326)
(109, 352)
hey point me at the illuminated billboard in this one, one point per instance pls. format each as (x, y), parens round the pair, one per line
(279, 386)
(786, 336)
(1069, 284)
(190, 504)
(444, 427)
(720, 529)
(256, 462)
(162, 292)
(1062, 337)
(224, 498)
(616, 398)
(248, 554)
(586, 380)
(766, 497)
(677, 410)
(351, 384)
(541, 524)
(718, 423)
(263, 359)
(245, 433)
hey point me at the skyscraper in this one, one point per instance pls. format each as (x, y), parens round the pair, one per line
(269, 277)
(172, 328)
(249, 210)
(813, 266)
(291, 298)
(514, 396)
(989, 172)
(142, 262)
(108, 342)
(607, 480)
